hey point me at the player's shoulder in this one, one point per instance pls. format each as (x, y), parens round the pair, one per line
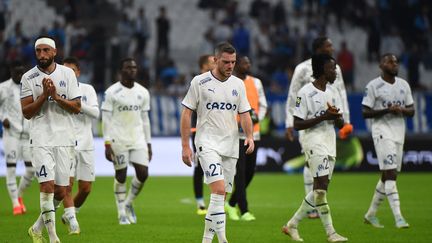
(305, 65)
(32, 74)
(375, 83)
(307, 89)
(235, 79)
(114, 88)
(6, 83)
(202, 78)
(402, 82)
(65, 70)
(141, 88)
(86, 87)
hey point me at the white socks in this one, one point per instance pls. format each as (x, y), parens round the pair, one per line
(134, 190)
(12, 185)
(377, 199)
(323, 209)
(308, 180)
(120, 196)
(215, 219)
(393, 198)
(26, 180)
(48, 214)
(306, 206)
(71, 216)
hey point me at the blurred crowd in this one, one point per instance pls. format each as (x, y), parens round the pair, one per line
(264, 33)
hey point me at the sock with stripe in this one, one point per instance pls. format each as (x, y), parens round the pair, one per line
(134, 190)
(48, 214)
(307, 179)
(120, 196)
(215, 218)
(320, 197)
(393, 198)
(12, 185)
(306, 206)
(377, 199)
(26, 180)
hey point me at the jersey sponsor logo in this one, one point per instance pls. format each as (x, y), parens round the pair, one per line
(234, 92)
(221, 106)
(38, 85)
(62, 83)
(204, 81)
(387, 103)
(212, 90)
(129, 108)
(33, 75)
(298, 101)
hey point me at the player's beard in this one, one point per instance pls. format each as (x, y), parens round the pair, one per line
(46, 64)
(392, 73)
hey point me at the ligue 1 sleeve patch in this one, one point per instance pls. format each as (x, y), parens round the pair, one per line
(298, 101)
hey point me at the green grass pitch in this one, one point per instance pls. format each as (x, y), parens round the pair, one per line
(166, 211)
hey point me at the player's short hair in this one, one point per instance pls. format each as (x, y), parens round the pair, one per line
(122, 61)
(385, 55)
(224, 47)
(203, 60)
(72, 60)
(318, 62)
(318, 43)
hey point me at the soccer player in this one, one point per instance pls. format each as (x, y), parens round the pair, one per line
(302, 76)
(49, 97)
(387, 101)
(247, 162)
(83, 168)
(126, 128)
(15, 137)
(206, 63)
(317, 113)
(217, 97)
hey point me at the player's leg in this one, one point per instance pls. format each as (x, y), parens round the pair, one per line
(239, 191)
(377, 199)
(43, 161)
(85, 176)
(29, 174)
(198, 182)
(219, 177)
(249, 174)
(11, 146)
(120, 161)
(308, 185)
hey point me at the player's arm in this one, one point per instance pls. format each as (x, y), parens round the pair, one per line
(330, 114)
(72, 106)
(408, 111)
(246, 124)
(295, 86)
(371, 113)
(185, 126)
(91, 109)
(29, 106)
(147, 132)
(3, 116)
(106, 125)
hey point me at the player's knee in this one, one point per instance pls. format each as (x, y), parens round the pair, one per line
(320, 196)
(120, 176)
(85, 188)
(60, 192)
(142, 176)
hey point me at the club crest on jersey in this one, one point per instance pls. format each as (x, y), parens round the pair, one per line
(84, 98)
(62, 83)
(298, 101)
(234, 92)
(139, 97)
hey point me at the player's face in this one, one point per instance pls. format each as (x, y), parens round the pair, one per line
(45, 55)
(16, 73)
(330, 71)
(225, 64)
(74, 68)
(390, 65)
(129, 70)
(327, 48)
(244, 65)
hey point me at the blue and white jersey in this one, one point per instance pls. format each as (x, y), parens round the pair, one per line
(127, 107)
(378, 95)
(217, 104)
(52, 125)
(310, 103)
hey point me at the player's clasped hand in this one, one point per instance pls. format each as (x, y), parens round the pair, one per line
(187, 156)
(332, 113)
(395, 109)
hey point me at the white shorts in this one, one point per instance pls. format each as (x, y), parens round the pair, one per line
(124, 157)
(217, 167)
(16, 149)
(53, 163)
(83, 168)
(389, 154)
(320, 165)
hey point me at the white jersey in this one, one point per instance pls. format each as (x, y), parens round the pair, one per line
(10, 108)
(378, 95)
(302, 76)
(52, 125)
(126, 106)
(83, 120)
(217, 104)
(310, 103)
